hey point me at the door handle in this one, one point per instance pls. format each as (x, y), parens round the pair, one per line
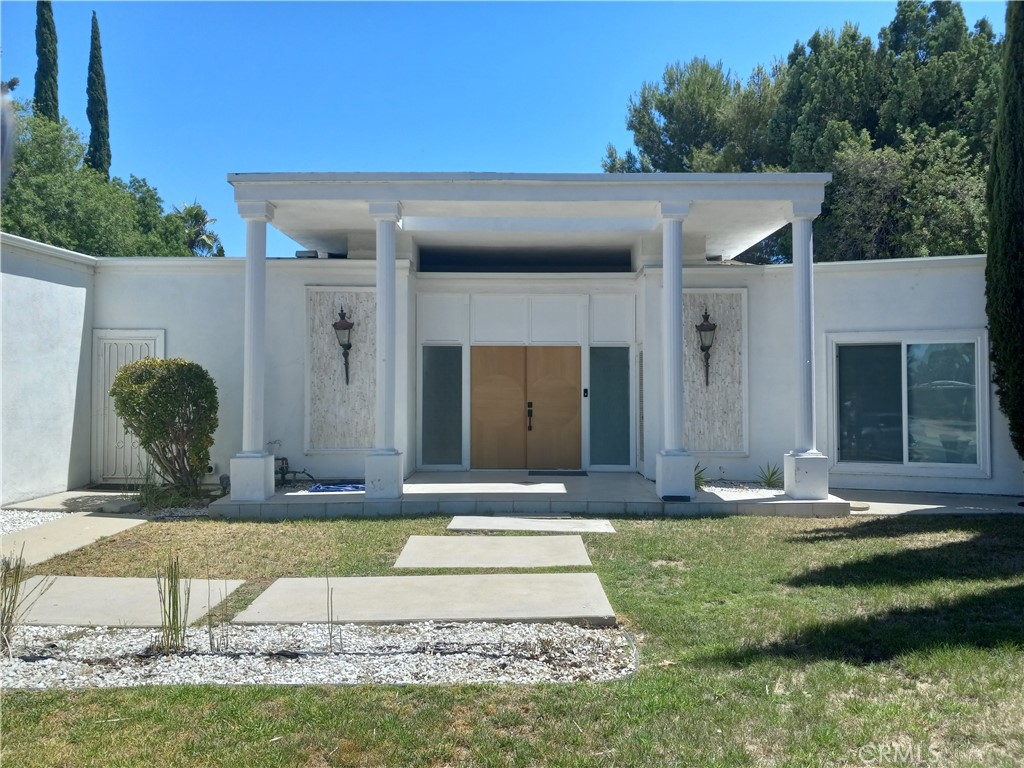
(529, 416)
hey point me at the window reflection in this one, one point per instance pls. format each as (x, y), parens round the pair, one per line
(941, 403)
(941, 412)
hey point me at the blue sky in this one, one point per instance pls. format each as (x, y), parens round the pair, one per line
(198, 90)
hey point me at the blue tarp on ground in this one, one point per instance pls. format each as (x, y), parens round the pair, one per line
(321, 488)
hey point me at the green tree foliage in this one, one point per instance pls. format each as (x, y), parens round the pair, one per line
(1004, 270)
(54, 197)
(700, 118)
(98, 154)
(925, 196)
(199, 239)
(920, 106)
(836, 89)
(46, 103)
(171, 407)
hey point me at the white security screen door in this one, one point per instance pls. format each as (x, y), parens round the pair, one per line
(116, 455)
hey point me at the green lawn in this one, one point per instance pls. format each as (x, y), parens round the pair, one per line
(763, 642)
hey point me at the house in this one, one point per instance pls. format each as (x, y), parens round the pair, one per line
(511, 321)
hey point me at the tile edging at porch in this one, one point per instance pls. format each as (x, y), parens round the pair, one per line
(277, 508)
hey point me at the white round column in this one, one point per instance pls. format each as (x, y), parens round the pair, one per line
(674, 479)
(252, 470)
(384, 465)
(805, 469)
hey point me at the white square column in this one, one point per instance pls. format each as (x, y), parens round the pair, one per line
(805, 470)
(252, 470)
(385, 471)
(674, 465)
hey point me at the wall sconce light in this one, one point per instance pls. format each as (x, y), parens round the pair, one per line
(706, 330)
(343, 330)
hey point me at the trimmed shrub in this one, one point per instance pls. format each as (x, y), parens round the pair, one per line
(171, 407)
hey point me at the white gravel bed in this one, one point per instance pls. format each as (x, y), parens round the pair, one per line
(733, 489)
(12, 520)
(316, 654)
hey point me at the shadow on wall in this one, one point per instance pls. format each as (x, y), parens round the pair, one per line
(80, 465)
(992, 548)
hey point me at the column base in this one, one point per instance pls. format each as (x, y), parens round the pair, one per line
(384, 475)
(806, 475)
(674, 481)
(252, 477)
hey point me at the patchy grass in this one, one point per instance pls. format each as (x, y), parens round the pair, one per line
(763, 642)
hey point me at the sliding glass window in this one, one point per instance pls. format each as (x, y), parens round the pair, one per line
(908, 403)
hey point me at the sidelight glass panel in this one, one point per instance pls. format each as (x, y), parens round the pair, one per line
(870, 393)
(609, 405)
(942, 403)
(442, 405)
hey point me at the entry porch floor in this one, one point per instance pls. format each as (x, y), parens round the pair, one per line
(512, 492)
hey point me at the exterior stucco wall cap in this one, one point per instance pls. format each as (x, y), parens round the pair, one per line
(549, 178)
(919, 262)
(52, 251)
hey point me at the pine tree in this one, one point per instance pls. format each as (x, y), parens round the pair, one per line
(1004, 270)
(98, 155)
(45, 96)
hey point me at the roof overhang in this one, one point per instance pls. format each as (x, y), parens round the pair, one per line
(731, 211)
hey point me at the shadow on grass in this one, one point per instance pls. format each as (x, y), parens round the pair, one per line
(1009, 526)
(990, 620)
(989, 552)
(980, 558)
(995, 550)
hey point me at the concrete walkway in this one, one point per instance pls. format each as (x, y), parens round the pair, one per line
(917, 503)
(81, 501)
(65, 535)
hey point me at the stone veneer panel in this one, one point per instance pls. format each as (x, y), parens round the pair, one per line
(341, 416)
(714, 413)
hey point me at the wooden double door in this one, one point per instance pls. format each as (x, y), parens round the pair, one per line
(526, 407)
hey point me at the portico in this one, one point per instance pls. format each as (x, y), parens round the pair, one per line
(461, 261)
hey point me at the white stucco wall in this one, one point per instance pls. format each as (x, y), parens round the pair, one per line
(200, 304)
(48, 299)
(910, 298)
(900, 298)
(52, 300)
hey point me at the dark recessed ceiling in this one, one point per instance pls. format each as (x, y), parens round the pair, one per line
(524, 260)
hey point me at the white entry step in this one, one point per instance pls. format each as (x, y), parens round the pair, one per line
(492, 552)
(532, 524)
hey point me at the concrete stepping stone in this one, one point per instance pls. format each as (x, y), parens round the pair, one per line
(540, 525)
(542, 597)
(492, 552)
(116, 602)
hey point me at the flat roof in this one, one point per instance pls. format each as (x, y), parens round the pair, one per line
(729, 212)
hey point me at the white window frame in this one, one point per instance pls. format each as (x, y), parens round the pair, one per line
(977, 336)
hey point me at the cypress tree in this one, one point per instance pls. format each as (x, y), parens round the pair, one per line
(1004, 270)
(98, 155)
(45, 96)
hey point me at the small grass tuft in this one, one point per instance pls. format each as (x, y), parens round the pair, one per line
(14, 600)
(174, 594)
